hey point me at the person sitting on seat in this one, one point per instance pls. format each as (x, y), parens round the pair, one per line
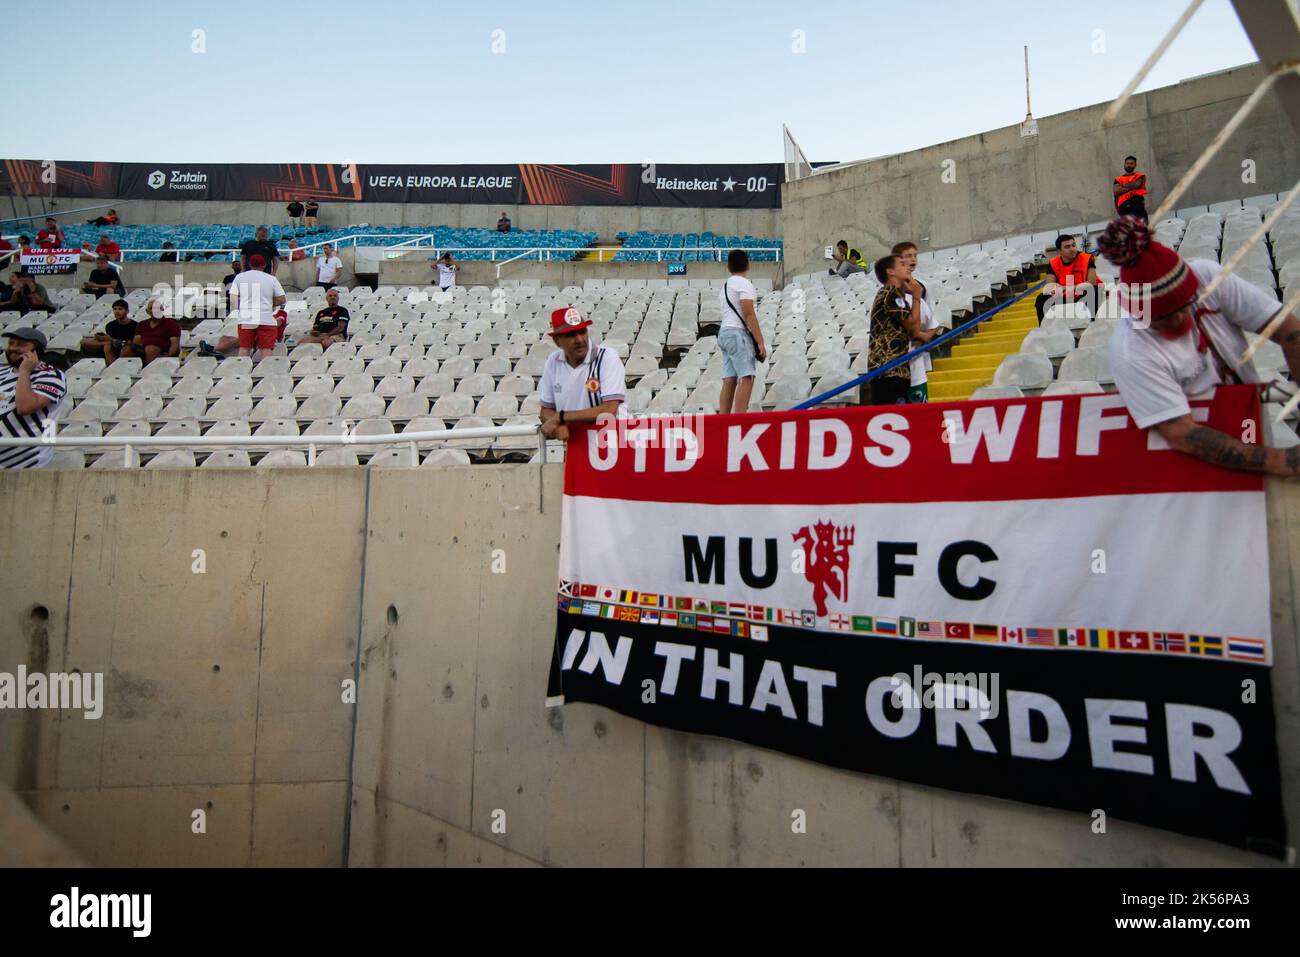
(847, 261)
(118, 333)
(28, 295)
(168, 257)
(109, 219)
(503, 224)
(296, 254)
(1075, 275)
(105, 247)
(103, 279)
(331, 323)
(157, 336)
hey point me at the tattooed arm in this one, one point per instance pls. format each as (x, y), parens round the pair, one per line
(1219, 448)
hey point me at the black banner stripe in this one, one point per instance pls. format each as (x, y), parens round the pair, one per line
(1148, 740)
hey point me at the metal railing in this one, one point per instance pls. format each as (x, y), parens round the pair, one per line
(131, 443)
(934, 343)
(715, 253)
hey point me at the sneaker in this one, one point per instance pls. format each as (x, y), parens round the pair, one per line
(205, 349)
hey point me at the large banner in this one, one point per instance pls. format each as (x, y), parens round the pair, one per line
(50, 261)
(1031, 599)
(718, 186)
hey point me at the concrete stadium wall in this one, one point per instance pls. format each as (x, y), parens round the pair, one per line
(412, 271)
(606, 221)
(294, 276)
(416, 271)
(451, 734)
(1006, 185)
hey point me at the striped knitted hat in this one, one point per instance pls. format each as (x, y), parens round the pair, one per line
(1155, 281)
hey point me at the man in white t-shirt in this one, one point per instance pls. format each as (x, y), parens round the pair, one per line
(740, 338)
(1182, 345)
(254, 298)
(922, 364)
(447, 269)
(328, 267)
(580, 381)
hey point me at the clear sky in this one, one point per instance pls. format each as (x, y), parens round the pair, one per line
(418, 81)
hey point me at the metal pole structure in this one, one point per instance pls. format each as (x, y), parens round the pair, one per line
(1029, 110)
(1274, 30)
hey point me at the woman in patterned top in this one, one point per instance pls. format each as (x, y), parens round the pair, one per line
(894, 326)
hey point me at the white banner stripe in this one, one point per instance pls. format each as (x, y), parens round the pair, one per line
(1191, 563)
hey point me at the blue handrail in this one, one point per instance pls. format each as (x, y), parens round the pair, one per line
(932, 344)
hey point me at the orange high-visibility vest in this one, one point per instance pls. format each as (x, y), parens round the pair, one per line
(1133, 177)
(1075, 274)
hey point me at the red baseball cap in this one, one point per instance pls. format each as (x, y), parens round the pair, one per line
(567, 319)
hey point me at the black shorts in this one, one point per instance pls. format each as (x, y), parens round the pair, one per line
(1134, 207)
(887, 390)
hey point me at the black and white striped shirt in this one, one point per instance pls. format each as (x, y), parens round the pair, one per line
(46, 381)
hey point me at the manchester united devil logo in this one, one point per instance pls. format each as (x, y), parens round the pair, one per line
(826, 560)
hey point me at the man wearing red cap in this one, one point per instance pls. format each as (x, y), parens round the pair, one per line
(1176, 345)
(580, 381)
(254, 298)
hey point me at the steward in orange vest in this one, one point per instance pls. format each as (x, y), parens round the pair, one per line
(1130, 191)
(1074, 275)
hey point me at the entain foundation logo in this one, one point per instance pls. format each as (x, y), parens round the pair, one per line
(179, 180)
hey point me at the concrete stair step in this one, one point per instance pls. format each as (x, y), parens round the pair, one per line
(976, 363)
(989, 345)
(942, 389)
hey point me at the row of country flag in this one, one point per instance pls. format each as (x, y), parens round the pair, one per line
(751, 621)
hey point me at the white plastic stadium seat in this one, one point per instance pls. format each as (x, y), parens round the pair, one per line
(1087, 365)
(1051, 342)
(1073, 387)
(1030, 371)
(174, 459)
(283, 458)
(445, 457)
(997, 392)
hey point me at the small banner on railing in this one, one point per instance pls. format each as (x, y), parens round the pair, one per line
(1031, 599)
(52, 261)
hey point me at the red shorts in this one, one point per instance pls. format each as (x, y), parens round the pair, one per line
(264, 336)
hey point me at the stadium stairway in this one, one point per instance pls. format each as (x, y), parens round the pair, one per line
(977, 357)
(593, 254)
